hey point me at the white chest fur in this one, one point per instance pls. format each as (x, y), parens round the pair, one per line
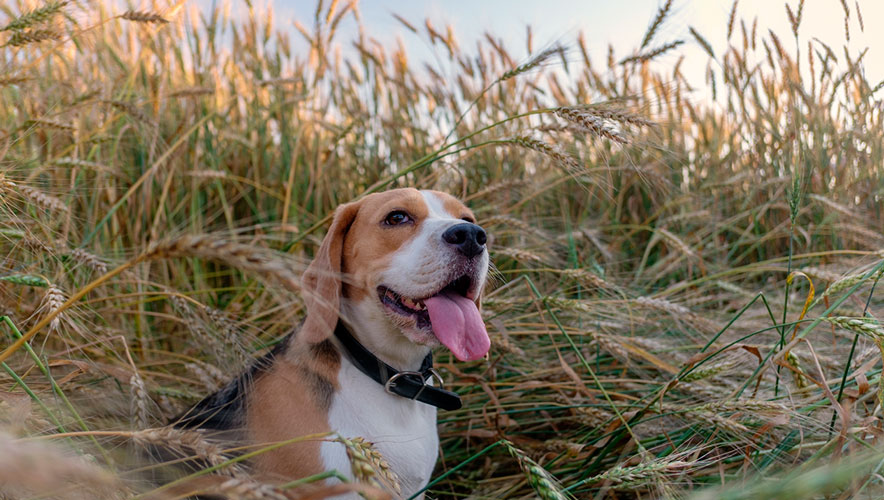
(403, 431)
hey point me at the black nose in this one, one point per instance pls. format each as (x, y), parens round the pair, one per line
(469, 239)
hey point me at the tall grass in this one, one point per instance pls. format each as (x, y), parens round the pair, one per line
(684, 295)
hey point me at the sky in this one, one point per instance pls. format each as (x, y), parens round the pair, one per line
(619, 22)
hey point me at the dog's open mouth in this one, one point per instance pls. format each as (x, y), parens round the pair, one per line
(450, 312)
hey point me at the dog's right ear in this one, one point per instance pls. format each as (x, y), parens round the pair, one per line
(321, 282)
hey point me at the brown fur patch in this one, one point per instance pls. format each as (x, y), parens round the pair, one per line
(292, 400)
(370, 243)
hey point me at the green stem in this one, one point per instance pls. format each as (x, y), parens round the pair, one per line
(55, 387)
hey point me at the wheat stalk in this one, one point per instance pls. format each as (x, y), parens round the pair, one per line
(731, 18)
(662, 12)
(591, 121)
(653, 53)
(865, 326)
(244, 257)
(546, 486)
(20, 38)
(532, 63)
(34, 17)
(846, 282)
(26, 280)
(49, 123)
(567, 161)
(798, 374)
(624, 476)
(187, 443)
(143, 17)
(702, 41)
(36, 197)
(368, 465)
(245, 489)
(140, 399)
(587, 278)
(89, 259)
(741, 405)
(210, 376)
(52, 302)
(519, 254)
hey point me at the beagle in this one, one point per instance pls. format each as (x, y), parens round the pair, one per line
(398, 273)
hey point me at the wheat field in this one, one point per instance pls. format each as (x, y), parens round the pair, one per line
(684, 301)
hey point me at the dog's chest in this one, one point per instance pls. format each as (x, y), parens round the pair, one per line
(403, 431)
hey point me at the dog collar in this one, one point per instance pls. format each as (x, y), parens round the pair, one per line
(408, 384)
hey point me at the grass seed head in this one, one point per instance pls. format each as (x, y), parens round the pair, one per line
(186, 443)
(37, 16)
(546, 486)
(368, 465)
(143, 17)
(21, 38)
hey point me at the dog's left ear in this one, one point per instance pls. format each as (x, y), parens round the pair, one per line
(322, 280)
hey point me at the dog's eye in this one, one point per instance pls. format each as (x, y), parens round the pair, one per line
(396, 217)
(468, 219)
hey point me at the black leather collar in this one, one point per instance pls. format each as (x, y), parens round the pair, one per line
(410, 385)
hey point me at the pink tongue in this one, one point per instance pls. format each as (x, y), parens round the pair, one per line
(457, 324)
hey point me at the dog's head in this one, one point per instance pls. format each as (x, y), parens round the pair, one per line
(410, 263)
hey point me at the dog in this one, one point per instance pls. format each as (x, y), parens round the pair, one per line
(398, 273)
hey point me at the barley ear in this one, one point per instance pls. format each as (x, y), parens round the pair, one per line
(546, 486)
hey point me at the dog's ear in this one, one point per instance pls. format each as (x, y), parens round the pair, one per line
(321, 281)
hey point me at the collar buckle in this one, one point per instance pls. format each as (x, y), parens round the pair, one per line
(425, 378)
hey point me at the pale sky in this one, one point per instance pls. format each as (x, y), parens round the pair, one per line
(621, 23)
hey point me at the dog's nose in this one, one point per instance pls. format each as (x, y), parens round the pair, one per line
(469, 239)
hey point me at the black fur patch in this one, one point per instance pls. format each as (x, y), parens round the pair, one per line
(225, 409)
(326, 352)
(321, 387)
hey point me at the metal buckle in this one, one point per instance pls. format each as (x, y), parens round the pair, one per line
(391, 382)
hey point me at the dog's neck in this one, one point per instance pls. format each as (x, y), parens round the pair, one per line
(372, 329)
